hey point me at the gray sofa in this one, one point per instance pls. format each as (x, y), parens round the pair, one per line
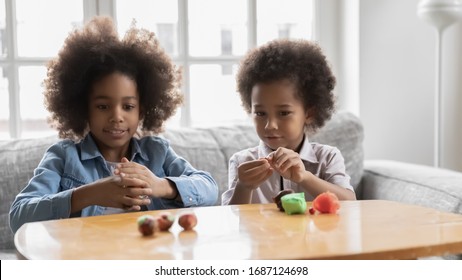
(210, 148)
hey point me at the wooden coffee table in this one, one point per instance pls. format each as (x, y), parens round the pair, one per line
(361, 230)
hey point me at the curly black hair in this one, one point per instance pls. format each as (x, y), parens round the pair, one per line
(95, 51)
(300, 61)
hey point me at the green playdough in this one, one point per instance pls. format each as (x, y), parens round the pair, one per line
(294, 203)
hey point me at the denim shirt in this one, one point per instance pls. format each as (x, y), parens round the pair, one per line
(67, 165)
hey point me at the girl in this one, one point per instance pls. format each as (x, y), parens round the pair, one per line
(100, 90)
(287, 87)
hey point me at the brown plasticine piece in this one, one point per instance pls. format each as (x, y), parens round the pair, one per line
(277, 198)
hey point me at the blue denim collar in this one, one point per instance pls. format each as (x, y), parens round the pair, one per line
(89, 149)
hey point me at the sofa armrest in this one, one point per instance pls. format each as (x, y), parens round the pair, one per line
(413, 184)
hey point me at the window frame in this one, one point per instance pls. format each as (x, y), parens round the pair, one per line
(108, 7)
(12, 62)
(185, 60)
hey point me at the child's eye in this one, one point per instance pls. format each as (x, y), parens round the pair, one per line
(259, 114)
(101, 107)
(129, 107)
(285, 113)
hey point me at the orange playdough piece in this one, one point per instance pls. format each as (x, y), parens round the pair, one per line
(326, 203)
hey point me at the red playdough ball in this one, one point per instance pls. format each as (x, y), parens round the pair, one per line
(147, 225)
(187, 221)
(165, 221)
(326, 203)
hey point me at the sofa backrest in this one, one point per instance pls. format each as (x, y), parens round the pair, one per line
(208, 149)
(345, 131)
(18, 159)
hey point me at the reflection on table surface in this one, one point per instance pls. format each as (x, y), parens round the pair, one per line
(360, 230)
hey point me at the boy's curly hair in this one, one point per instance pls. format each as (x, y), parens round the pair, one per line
(301, 62)
(95, 51)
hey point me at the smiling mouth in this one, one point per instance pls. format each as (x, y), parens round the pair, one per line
(115, 131)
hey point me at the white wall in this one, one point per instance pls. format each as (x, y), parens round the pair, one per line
(452, 81)
(397, 84)
(337, 32)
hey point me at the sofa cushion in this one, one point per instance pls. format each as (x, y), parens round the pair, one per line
(232, 139)
(345, 132)
(9, 254)
(200, 149)
(412, 183)
(209, 149)
(18, 159)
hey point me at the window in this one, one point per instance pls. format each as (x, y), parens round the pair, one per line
(206, 38)
(31, 33)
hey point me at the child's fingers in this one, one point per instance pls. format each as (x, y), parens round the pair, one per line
(279, 161)
(133, 170)
(135, 201)
(278, 156)
(117, 170)
(254, 172)
(128, 167)
(139, 192)
(259, 176)
(284, 159)
(286, 166)
(132, 208)
(118, 180)
(254, 163)
(133, 182)
(258, 169)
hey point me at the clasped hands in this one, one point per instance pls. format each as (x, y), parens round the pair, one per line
(131, 186)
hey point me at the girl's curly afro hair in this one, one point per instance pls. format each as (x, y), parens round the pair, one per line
(95, 51)
(299, 61)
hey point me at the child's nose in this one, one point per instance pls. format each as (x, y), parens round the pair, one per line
(116, 115)
(271, 123)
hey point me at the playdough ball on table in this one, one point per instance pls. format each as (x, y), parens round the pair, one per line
(165, 221)
(294, 203)
(277, 198)
(187, 221)
(147, 225)
(326, 203)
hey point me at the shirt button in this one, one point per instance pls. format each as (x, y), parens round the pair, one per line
(190, 199)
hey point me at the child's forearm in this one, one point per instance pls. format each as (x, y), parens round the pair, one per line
(82, 197)
(165, 188)
(241, 195)
(316, 186)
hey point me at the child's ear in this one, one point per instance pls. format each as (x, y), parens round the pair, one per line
(309, 115)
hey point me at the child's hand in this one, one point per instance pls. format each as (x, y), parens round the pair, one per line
(137, 175)
(253, 173)
(287, 163)
(115, 191)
